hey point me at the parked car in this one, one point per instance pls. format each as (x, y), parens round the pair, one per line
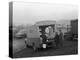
(20, 35)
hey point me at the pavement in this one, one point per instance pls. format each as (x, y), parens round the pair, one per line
(69, 48)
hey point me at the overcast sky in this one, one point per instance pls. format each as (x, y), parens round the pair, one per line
(29, 13)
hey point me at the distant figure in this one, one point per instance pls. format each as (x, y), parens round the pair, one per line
(60, 38)
(56, 39)
(25, 39)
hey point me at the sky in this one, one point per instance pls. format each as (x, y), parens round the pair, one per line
(29, 13)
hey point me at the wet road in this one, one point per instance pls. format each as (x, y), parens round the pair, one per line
(18, 45)
(69, 47)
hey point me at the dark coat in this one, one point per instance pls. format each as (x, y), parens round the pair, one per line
(56, 38)
(61, 39)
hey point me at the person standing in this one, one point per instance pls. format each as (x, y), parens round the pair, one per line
(25, 40)
(60, 38)
(56, 39)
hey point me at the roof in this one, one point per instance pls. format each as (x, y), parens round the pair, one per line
(45, 23)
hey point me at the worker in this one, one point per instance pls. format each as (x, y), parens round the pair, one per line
(60, 38)
(56, 38)
(25, 40)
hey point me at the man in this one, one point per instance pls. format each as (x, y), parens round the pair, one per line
(60, 38)
(56, 39)
(25, 40)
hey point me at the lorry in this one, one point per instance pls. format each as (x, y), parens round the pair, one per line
(41, 35)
